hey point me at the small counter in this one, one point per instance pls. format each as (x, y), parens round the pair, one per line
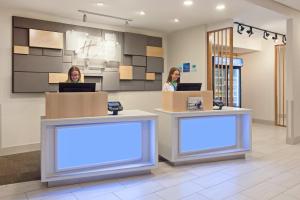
(204, 135)
(90, 148)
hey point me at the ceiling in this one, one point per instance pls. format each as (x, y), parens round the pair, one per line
(159, 13)
(295, 4)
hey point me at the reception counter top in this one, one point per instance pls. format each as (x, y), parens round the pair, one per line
(201, 136)
(90, 148)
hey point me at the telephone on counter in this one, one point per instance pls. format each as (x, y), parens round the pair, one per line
(218, 103)
(114, 106)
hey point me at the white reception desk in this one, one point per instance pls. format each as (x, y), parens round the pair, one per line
(204, 135)
(90, 148)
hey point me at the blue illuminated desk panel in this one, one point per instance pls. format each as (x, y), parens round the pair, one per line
(204, 135)
(98, 147)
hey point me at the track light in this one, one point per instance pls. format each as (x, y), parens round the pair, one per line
(84, 17)
(275, 37)
(284, 39)
(240, 29)
(101, 15)
(266, 35)
(250, 31)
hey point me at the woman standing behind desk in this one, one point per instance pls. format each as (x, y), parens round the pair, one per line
(173, 80)
(74, 75)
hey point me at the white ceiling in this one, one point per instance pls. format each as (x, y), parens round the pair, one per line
(295, 4)
(159, 13)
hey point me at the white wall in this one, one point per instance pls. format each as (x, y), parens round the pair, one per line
(20, 113)
(258, 82)
(188, 45)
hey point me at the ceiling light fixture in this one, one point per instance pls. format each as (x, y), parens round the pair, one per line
(100, 4)
(102, 15)
(250, 31)
(284, 39)
(266, 33)
(220, 7)
(275, 37)
(188, 3)
(176, 20)
(240, 29)
(84, 17)
(142, 13)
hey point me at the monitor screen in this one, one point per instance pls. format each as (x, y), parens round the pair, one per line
(77, 87)
(189, 87)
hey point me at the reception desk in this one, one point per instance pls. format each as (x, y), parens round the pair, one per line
(201, 136)
(77, 149)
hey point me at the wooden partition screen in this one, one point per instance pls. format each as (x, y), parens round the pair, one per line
(220, 64)
(280, 84)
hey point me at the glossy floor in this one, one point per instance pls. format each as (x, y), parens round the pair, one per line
(271, 171)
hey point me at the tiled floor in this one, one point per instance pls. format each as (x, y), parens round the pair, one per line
(271, 171)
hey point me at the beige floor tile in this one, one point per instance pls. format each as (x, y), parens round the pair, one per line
(264, 191)
(285, 197)
(222, 191)
(238, 197)
(138, 191)
(179, 191)
(294, 191)
(212, 179)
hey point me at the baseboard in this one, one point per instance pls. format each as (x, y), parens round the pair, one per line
(293, 141)
(262, 121)
(19, 149)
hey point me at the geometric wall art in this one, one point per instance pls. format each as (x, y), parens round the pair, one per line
(43, 51)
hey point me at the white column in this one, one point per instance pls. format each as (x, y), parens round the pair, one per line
(293, 79)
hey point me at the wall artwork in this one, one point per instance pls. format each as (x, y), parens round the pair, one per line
(93, 52)
(44, 51)
(186, 67)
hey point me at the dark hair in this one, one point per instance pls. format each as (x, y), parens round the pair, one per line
(172, 70)
(72, 69)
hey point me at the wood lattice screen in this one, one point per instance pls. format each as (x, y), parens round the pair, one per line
(220, 63)
(280, 84)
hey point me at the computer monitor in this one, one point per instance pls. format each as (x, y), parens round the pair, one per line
(188, 86)
(77, 87)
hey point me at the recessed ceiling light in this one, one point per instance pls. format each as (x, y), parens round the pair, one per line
(142, 13)
(176, 20)
(100, 4)
(188, 3)
(220, 7)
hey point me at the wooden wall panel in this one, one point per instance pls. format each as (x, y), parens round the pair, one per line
(31, 63)
(21, 50)
(127, 60)
(135, 85)
(111, 81)
(154, 41)
(52, 52)
(57, 77)
(126, 72)
(153, 85)
(35, 51)
(155, 51)
(155, 64)
(158, 76)
(139, 73)
(46, 39)
(20, 36)
(135, 44)
(150, 76)
(139, 61)
(32, 82)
